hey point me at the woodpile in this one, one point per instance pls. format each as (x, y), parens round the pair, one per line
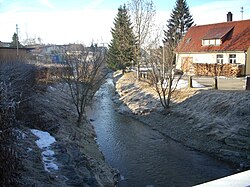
(228, 70)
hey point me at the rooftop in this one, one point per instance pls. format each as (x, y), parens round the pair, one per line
(235, 36)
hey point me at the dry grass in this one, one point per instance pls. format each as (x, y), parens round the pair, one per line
(214, 121)
(144, 86)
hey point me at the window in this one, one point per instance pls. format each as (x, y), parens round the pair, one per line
(232, 58)
(205, 42)
(217, 42)
(211, 42)
(219, 58)
(188, 40)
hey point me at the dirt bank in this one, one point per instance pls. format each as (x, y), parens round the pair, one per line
(212, 121)
(79, 160)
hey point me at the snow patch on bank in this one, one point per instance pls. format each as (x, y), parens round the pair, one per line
(184, 84)
(44, 142)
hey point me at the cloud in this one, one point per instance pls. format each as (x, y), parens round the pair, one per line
(46, 3)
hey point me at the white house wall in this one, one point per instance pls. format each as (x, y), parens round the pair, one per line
(209, 58)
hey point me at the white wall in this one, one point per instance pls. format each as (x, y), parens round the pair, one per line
(210, 58)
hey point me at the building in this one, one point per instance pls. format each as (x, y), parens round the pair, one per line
(10, 54)
(206, 47)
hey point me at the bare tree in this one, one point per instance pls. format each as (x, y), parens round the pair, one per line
(142, 14)
(163, 75)
(84, 72)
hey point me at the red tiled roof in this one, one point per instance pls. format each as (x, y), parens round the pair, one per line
(235, 36)
(217, 33)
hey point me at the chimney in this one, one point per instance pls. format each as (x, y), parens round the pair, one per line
(229, 16)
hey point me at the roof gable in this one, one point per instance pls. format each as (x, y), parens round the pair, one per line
(235, 36)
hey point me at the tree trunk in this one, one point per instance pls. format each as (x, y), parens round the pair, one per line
(138, 72)
(169, 92)
(80, 119)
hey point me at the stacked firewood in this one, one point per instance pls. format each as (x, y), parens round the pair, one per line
(229, 70)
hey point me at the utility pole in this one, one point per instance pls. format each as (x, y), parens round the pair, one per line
(16, 39)
(242, 11)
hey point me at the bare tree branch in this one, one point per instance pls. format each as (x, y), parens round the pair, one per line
(163, 74)
(83, 73)
(142, 14)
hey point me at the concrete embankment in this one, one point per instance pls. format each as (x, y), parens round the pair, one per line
(212, 121)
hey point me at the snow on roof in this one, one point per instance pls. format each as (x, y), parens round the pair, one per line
(44, 142)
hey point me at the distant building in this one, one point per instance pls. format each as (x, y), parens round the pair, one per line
(9, 54)
(4, 44)
(56, 53)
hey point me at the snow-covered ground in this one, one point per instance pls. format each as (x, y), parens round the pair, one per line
(44, 142)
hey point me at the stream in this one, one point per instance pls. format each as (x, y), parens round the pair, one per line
(143, 156)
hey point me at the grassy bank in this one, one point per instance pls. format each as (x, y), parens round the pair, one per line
(45, 106)
(212, 121)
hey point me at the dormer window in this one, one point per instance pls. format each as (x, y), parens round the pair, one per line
(216, 36)
(211, 42)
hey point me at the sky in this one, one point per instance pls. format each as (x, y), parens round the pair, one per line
(87, 21)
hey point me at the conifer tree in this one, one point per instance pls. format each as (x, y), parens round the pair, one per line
(122, 46)
(15, 41)
(181, 20)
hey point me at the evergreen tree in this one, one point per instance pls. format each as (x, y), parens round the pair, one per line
(15, 40)
(179, 23)
(122, 46)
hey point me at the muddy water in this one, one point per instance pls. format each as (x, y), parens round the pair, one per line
(143, 156)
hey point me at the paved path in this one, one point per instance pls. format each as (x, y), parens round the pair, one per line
(223, 82)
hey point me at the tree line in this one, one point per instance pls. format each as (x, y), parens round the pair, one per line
(135, 43)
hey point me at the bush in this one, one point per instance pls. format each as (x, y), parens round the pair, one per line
(16, 84)
(8, 157)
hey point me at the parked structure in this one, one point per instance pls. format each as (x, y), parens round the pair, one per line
(216, 49)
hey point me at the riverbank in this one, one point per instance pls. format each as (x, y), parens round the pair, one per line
(212, 121)
(74, 159)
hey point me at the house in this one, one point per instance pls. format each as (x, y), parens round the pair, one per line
(221, 47)
(5, 44)
(9, 54)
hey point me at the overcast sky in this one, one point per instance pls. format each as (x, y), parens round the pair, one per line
(84, 21)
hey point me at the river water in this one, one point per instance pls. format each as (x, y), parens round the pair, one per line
(143, 156)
